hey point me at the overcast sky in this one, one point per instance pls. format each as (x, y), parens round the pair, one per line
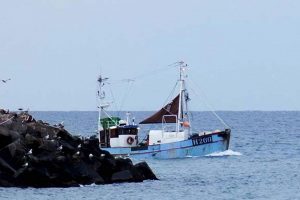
(244, 55)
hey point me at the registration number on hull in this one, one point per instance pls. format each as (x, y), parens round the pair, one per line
(202, 140)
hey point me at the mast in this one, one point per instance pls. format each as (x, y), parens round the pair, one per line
(183, 96)
(101, 96)
(181, 90)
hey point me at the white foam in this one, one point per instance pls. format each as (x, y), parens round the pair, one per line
(228, 152)
(192, 156)
(91, 185)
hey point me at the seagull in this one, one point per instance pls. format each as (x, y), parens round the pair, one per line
(60, 147)
(30, 152)
(77, 153)
(25, 165)
(5, 81)
(91, 155)
(102, 155)
(47, 137)
(61, 124)
(79, 146)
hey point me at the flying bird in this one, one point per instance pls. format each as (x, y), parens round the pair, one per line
(5, 80)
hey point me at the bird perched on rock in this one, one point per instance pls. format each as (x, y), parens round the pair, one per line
(29, 152)
(91, 155)
(79, 146)
(25, 165)
(47, 137)
(78, 152)
(60, 147)
(61, 125)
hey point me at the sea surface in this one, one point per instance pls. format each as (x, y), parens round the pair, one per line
(263, 162)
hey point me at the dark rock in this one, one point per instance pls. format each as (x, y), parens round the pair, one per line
(35, 154)
(146, 171)
(122, 176)
(7, 136)
(6, 168)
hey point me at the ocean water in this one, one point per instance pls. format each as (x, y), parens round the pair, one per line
(263, 162)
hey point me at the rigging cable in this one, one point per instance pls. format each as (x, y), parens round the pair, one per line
(147, 74)
(208, 105)
(153, 72)
(127, 92)
(112, 95)
(171, 93)
(129, 88)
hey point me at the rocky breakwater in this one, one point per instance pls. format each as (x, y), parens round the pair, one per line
(35, 154)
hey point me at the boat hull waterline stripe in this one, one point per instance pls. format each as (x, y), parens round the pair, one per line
(157, 151)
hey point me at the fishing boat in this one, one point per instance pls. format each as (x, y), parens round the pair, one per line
(175, 138)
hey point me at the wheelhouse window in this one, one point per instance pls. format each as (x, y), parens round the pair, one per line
(128, 131)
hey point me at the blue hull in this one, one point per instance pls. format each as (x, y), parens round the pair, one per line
(195, 146)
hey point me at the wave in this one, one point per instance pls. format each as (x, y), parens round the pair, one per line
(228, 152)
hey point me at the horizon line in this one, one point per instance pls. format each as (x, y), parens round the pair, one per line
(155, 111)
